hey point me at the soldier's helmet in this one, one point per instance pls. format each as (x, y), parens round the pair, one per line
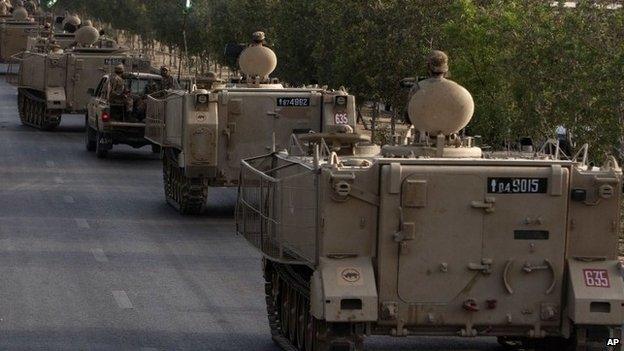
(258, 37)
(87, 23)
(119, 69)
(437, 62)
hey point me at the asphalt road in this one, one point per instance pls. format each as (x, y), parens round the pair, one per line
(92, 258)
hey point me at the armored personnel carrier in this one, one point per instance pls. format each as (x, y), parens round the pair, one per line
(14, 33)
(435, 237)
(63, 35)
(204, 134)
(57, 82)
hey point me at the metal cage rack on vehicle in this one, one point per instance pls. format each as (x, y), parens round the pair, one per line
(275, 194)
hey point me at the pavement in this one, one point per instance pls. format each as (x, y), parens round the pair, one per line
(92, 258)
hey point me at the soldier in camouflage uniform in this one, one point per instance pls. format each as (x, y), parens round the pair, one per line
(118, 95)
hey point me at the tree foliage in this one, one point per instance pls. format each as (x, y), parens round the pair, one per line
(531, 66)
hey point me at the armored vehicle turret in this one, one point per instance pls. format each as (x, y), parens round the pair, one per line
(57, 82)
(205, 133)
(435, 237)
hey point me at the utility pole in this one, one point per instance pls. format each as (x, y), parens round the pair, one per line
(187, 9)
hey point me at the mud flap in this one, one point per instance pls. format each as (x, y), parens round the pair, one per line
(55, 98)
(344, 290)
(595, 293)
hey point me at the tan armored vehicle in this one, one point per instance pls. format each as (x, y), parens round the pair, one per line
(436, 237)
(109, 122)
(14, 33)
(63, 35)
(57, 82)
(204, 134)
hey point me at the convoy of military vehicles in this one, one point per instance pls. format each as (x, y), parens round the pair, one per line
(429, 236)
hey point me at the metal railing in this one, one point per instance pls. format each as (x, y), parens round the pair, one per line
(277, 208)
(11, 75)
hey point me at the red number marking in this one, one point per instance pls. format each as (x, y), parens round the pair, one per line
(598, 278)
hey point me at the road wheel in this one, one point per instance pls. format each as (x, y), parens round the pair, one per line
(302, 322)
(285, 308)
(292, 311)
(21, 101)
(310, 332)
(27, 111)
(100, 149)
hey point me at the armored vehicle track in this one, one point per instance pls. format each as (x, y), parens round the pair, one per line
(33, 111)
(293, 328)
(187, 195)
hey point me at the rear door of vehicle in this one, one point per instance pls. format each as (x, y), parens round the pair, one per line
(440, 240)
(254, 117)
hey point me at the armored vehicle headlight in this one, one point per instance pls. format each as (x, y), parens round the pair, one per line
(341, 100)
(202, 99)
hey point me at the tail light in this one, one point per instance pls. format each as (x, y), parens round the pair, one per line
(105, 117)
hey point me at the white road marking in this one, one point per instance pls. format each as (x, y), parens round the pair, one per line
(82, 223)
(50, 163)
(99, 255)
(59, 180)
(68, 199)
(122, 299)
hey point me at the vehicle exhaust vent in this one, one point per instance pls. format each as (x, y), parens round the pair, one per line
(350, 304)
(600, 307)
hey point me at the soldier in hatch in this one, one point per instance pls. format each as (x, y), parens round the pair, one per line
(167, 79)
(437, 68)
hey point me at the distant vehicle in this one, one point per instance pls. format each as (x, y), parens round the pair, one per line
(14, 33)
(108, 124)
(53, 83)
(205, 133)
(435, 237)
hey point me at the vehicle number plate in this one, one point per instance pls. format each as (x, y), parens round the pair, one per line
(341, 118)
(113, 61)
(598, 278)
(293, 101)
(517, 185)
